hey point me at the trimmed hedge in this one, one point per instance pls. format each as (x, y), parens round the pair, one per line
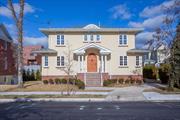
(149, 72)
(164, 73)
(80, 84)
(110, 82)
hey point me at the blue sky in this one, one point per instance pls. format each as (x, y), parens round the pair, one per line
(78, 13)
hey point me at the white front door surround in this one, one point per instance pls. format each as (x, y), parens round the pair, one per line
(103, 52)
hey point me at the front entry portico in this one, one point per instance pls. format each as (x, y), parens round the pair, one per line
(92, 61)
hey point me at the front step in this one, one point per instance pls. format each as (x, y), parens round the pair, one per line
(93, 79)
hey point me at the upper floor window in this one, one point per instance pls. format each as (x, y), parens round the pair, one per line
(46, 61)
(123, 39)
(98, 37)
(60, 39)
(85, 37)
(123, 61)
(91, 37)
(60, 61)
(137, 61)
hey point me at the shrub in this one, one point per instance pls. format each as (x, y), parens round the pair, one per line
(57, 81)
(63, 81)
(149, 72)
(133, 81)
(51, 81)
(45, 82)
(164, 73)
(121, 81)
(109, 82)
(139, 82)
(127, 81)
(80, 84)
(38, 75)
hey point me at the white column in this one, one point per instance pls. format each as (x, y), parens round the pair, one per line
(79, 62)
(105, 59)
(82, 65)
(102, 64)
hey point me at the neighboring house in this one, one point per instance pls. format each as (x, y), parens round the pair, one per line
(31, 61)
(8, 69)
(29, 58)
(158, 55)
(97, 53)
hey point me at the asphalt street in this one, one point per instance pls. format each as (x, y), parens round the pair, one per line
(89, 111)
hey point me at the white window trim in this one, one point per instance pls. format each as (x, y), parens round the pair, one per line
(89, 38)
(45, 61)
(123, 66)
(60, 37)
(84, 38)
(59, 66)
(138, 60)
(99, 38)
(123, 45)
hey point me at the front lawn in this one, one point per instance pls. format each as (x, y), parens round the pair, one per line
(36, 86)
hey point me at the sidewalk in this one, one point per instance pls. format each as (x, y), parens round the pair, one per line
(154, 96)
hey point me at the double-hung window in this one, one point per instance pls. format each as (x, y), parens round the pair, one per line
(60, 61)
(46, 61)
(122, 39)
(123, 61)
(92, 37)
(60, 39)
(137, 61)
(85, 37)
(98, 37)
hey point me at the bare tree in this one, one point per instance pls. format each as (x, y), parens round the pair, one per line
(68, 67)
(18, 19)
(165, 33)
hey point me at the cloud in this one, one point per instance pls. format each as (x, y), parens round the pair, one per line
(135, 24)
(150, 23)
(4, 11)
(35, 41)
(120, 12)
(151, 11)
(141, 38)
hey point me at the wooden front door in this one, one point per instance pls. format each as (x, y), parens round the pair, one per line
(92, 63)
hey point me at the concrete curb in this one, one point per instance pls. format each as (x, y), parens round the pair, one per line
(53, 100)
(53, 93)
(76, 100)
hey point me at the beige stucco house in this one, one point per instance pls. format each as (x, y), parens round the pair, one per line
(94, 53)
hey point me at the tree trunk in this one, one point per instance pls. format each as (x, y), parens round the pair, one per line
(19, 24)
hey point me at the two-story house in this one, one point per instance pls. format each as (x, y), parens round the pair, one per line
(95, 53)
(8, 69)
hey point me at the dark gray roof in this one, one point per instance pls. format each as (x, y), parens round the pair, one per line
(138, 51)
(59, 30)
(4, 34)
(45, 51)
